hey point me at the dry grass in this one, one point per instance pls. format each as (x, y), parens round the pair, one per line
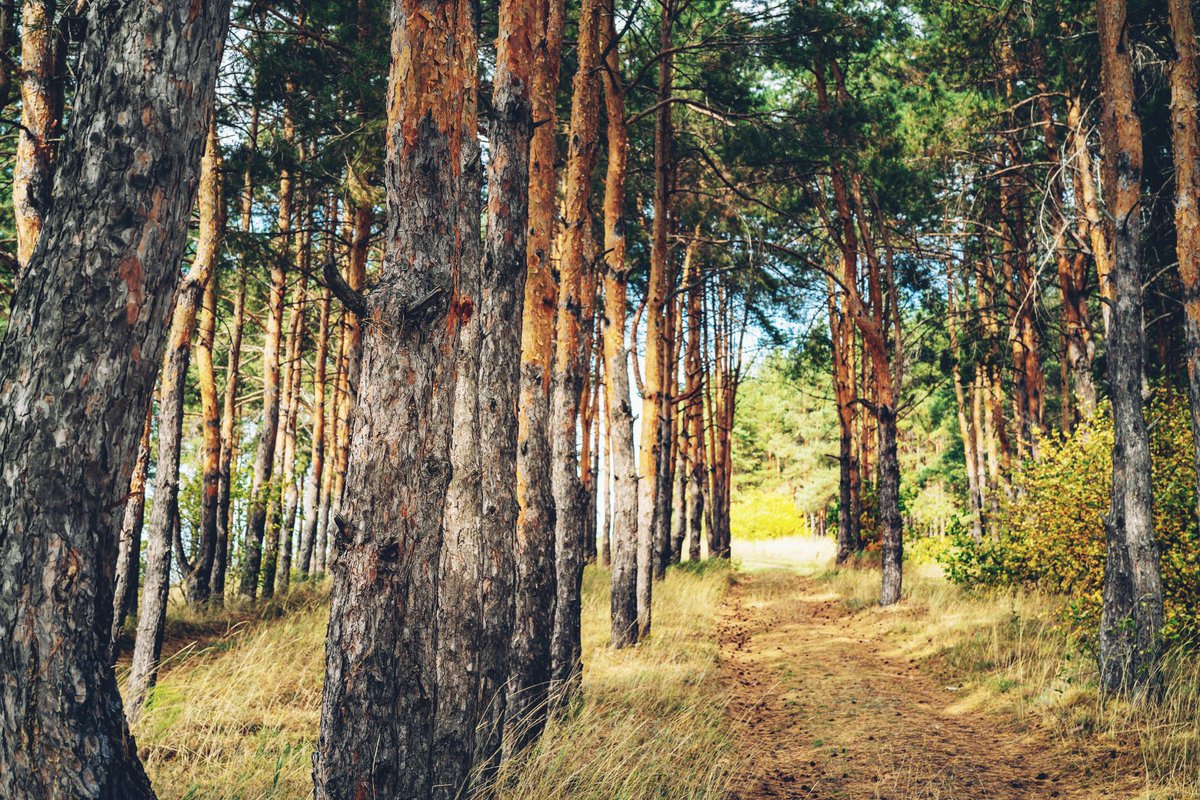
(653, 722)
(236, 716)
(1010, 653)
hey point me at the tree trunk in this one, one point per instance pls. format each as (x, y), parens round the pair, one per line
(289, 492)
(695, 414)
(844, 392)
(87, 331)
(334, 477)
(230, 430)
(261, 487)
(665, 493)
(1078, 389)
(570, 363)
(890, 521)
(351, 357)
(43, 66)
(129, 547)
(510, 131)
(316, 475)
(401, 701)
(164, 514)
(1087, 196)
(649, 506)
(198, 580)
(975, 496)
(685, 399)
(604, 545)
(198, 583)
(624, 523)
(8, 39)
(1132, 598)
(1186, 139)
(534, 591)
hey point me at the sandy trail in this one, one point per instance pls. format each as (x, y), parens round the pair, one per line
(825, 707)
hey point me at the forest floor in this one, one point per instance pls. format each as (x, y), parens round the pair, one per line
(780, 680)
(836, 699)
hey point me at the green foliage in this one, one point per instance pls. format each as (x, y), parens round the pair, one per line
(1050, 533)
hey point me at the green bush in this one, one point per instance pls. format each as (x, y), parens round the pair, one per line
(1050, 531)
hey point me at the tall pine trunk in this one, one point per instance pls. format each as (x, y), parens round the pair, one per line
(198, 580)
(510, 131)
(534, 591)
(230, 431)
(43, 68)
(1132, 611)
(129, 546)
(289, 491)
(164, 514)
(624, 523)
(649, 505)
(401, 701)
(1186, 138)
(570, 362)
(695, 413)
(87, 329)
(316, 474)
(261, 486)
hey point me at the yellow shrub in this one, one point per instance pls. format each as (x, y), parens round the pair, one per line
(1051, 531)
(762, 514)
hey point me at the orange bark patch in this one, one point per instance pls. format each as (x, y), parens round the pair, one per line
(130, 270)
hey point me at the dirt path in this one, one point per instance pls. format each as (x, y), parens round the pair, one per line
(825, 708)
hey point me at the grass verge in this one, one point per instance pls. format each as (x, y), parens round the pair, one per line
(1008, 651)
(237, 709)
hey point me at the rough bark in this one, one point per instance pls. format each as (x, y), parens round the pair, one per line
(1078, 388)
(1132, 596)
(1185, 130)
(845, 395)
(129, 546)
(351, 358)
(624, 522)
(335, 475)
(510, 131)
(86, 333)
(198, 582)
(668, 446)
(8, 39)
(400, 704)
(1087, 196)
(570, 363)
(164, 514)
(535, 592)
(685, 398)
(42, 73)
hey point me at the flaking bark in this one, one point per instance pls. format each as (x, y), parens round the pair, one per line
(86, 332)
